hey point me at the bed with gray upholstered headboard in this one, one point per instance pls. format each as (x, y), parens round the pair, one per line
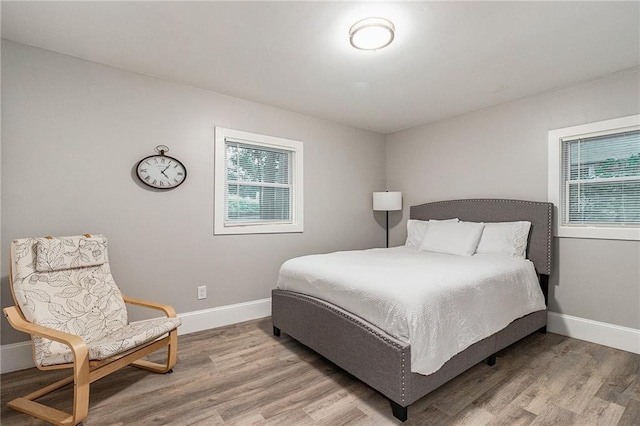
(384, 361)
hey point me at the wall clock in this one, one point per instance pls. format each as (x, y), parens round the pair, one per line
(161, 171)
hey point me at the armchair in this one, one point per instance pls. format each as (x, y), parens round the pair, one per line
(67, 300)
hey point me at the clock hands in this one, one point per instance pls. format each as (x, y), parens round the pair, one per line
(163, 172)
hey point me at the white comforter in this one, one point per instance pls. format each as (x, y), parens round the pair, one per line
(440, 304)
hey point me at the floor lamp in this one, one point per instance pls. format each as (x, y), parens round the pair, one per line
(387, 201)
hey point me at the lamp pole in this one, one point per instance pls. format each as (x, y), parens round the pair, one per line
(387, 228)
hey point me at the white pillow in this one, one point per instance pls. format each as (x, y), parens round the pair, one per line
(508, 238)
(417, 228)
(459, 238)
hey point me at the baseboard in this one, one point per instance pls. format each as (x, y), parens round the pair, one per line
(615, 336)
(18, 356)
(224, 315)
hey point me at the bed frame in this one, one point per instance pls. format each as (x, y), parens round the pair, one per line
(384, 362)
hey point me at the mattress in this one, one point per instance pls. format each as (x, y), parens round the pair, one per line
(440, 304)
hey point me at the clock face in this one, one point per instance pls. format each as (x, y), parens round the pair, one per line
(161, 171)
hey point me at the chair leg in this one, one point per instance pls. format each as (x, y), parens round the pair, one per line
(81, 383)
(84, 375)
(172, 357)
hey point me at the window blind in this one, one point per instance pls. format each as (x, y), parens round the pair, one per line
(258, 184)
(601, 176)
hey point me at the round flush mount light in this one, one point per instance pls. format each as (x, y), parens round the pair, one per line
(371, 33)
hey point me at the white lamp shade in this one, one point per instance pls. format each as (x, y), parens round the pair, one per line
(387, 201)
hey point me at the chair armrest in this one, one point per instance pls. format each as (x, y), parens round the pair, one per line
(75, 343)
(168, 310)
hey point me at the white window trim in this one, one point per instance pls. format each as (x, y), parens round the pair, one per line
(297, 200)
(555, 183)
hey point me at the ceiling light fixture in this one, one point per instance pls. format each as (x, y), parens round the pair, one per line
(371, 33)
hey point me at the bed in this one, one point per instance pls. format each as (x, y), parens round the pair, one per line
(383, 361)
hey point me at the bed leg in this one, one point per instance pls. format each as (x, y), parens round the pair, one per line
(399, 412)
(491, 361)
(276, 331)
(543, 330)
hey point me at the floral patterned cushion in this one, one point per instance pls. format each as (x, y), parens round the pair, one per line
(128, 337)
(57, 254)
(83, 300)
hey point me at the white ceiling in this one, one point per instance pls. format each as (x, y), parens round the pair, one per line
(447, 58)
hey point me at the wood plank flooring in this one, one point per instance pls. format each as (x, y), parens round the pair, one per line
(241, 375)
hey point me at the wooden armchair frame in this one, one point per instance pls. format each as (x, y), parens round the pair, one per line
(85, 371)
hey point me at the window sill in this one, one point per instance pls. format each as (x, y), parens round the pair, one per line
(599, 233)
(289, 228)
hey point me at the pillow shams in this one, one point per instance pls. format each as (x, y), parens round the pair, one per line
(417, 228)
(508, 238)
(459, 238)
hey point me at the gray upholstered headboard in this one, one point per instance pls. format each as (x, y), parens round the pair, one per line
(496, 210)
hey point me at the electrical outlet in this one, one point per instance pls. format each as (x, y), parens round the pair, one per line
(202, 292)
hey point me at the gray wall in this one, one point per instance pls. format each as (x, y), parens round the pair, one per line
(502, 152)
(73, 130)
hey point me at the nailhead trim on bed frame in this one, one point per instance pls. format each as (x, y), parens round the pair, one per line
(502, 200)
(361, 325)
(350, 318)
(550, 237)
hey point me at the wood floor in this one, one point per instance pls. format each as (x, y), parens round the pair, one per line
(241, 374)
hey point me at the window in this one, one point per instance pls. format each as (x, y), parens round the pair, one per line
(258, 183)
(594, 179)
